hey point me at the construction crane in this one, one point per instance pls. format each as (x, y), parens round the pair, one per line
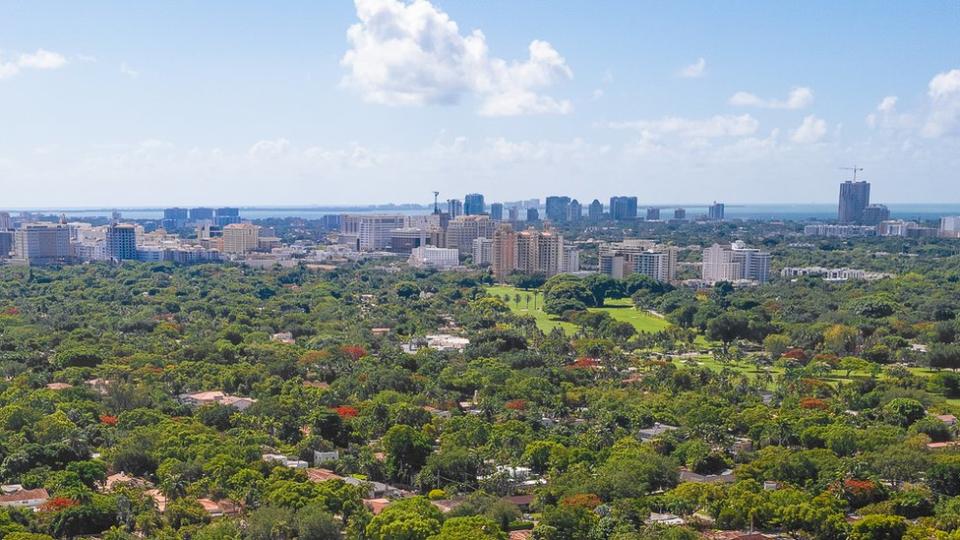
(436, 207)
(855, 170)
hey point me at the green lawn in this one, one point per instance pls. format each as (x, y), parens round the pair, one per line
(621, 310)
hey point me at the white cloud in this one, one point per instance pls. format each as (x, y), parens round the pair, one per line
(811, 130)
(715, 126)
(269, 148)
(944, 94)
(414, 54)
(41, 59)
(887, 104)
(129, 71)
(886, 115)
(798, 98)
(695, 70)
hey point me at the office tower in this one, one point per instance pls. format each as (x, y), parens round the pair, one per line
(620, 259)
(736, 263)
(533, 214)
(174, 218)
(679, 213)
(570, 259)
(715, 211)
(454, 208)
(875, 213)
(483, 250)
(473, 204)
(121, 242)
(369, 232)
(503, 252)
(240, 238)
(496, 211)
(42, 243)
(595, 213)
(623, 208)
(6, 243)
(226, 216)
(854, 199)
(575, 211)
(557, 208)
(405, 239)
(5, 222)
(461, 232)
(201, 214)
(513, 214)
(950, 226)
(653, 214)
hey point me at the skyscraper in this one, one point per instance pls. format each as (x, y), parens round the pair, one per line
(496, 211)
(623, 208)
(174, 218)
(454, 208)
(738, 262)
(533, 214)
(680, 213)
(574, 211)
(121, 241)
(854, 199)
(5, 223)
(596, 210)
(557, 208)
(653, 214)
(227, 215)
(875, 213)
(473, 204)
(715, 211)
(197, 214)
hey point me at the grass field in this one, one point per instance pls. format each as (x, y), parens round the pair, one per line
(621, 310)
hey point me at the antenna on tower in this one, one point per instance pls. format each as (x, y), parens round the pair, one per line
(855, 170)
(436, 207)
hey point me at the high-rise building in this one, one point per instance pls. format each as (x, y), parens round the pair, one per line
(595, 213)
(620, 259)
(461, 232)
(950, 226)
(454, 208)
(575, 211)
(483, 250)
(680, 213)
(174, 218)
(715, 211)
(473, 204)
(201, 214)
(121, 241)
(240, 238)
(42, 243)
(736, 263)
(874, 214)
(503, 252)
(513, 214)
(854, 199)
(227, 215)
(6, 244)
(405, 239)
(6, 223)
(533, 215)
(369, 232)
(496, 211)
(653, 214)
(623, 208)
(557, 208)
(539, 252)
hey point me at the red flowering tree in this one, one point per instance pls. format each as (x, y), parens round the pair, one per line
(583, 500)
(346, 411)
(516, 404)
(108, 420)
(57, 504)
(355, 352)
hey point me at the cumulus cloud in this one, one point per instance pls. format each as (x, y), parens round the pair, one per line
(41, 59)
(811, 130)
(695, 70)
(944, 94)
(798, 98)
(414, 54)
(715, 126)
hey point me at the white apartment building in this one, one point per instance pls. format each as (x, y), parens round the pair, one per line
(736, 263)
(440, 258)
(950, 226)
(370, 232)
(620, 259)
(482, 251)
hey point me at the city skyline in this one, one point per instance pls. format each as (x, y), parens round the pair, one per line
(748, 104)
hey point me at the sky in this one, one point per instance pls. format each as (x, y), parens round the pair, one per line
(375, 101)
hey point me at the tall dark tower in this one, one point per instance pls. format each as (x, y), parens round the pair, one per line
(854, 199)
(436, 206)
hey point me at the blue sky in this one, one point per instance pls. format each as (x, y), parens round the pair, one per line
(125, 103)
